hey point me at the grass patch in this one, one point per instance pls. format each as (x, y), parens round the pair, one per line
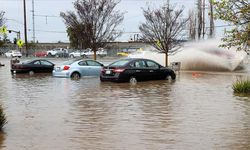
(3, 119)
(242, 86)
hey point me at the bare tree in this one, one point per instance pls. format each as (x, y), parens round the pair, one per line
(94, 23)
(211, 13)
(2, 19)
(163, 27)
(2, 22)
(192, 25)
(199, 13)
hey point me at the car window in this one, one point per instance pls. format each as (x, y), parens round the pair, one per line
(36, 62)
(119, 63)
(82, 63)
(69, 62)
(93, 63)
(139, 64)
(152, 64)
(46, 63)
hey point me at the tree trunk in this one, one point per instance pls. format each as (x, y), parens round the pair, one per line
(94, 54)
(166, 59)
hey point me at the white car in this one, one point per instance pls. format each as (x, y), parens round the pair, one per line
(75, 54)
(89, 53)
(54, 52)
(13, 53)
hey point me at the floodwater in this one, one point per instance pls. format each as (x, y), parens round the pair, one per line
(197, 111)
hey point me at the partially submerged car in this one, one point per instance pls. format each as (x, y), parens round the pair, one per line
(32, 66)
(76, 69)
(134, 70)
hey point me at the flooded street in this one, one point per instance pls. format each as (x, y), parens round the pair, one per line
(197, 111)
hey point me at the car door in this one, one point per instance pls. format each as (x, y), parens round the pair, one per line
(94, 67)
(154, 70)
(46, 66)
(83, 68)
(139, 69)
(35, 66)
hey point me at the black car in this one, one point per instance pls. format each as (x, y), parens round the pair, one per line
(134, 70)
(33, 66)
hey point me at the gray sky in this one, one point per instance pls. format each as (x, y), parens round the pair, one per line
(52, 28)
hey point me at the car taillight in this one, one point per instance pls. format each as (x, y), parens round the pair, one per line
(118, 70)
(66, 67)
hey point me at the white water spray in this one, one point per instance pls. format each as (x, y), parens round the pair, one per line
(205, 56)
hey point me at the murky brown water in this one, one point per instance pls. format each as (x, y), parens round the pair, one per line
(197, 111)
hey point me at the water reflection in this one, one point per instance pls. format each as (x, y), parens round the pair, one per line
(194, 112)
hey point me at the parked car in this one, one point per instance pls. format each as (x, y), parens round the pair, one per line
(58, 52)
(89, 53)
(76, 53)
(78, 68)
(134, 70)
(40, 54)
(33, 66)
(13, 53)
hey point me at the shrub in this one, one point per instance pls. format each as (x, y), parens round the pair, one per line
(242, 86)
(3, 119)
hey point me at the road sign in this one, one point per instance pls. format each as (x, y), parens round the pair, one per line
(158, 43)
(3, 30)
(20, 43)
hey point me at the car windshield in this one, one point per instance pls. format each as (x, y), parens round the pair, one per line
(119, 63)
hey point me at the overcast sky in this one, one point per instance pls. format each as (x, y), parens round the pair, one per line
(52, 28)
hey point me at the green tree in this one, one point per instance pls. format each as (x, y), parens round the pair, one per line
(237, 13)
(163, 28)
(94, 23)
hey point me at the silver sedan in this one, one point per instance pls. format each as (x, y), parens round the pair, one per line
(76, 69)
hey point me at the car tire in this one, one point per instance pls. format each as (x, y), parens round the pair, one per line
(49, 55)
(75, 76)
(72, 56)
(171, 74)
(132, 80)
(31, 72)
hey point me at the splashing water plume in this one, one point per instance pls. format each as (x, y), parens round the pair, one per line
(202, 56)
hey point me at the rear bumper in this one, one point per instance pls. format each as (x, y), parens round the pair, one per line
(116, 78)
(62, 74)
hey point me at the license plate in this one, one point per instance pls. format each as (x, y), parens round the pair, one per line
(108, 72)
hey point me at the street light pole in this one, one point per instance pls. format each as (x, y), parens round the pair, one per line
(25, 28)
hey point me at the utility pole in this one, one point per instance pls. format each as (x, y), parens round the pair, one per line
(25, 28)
(33, 18)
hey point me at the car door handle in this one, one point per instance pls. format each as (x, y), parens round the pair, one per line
(137, 70)
(151, 70)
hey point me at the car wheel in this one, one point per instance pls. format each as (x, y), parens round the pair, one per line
(132, 80)
(72, 56)
(75, 76)
(173, 76)
(31, 72)
(49, 55)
